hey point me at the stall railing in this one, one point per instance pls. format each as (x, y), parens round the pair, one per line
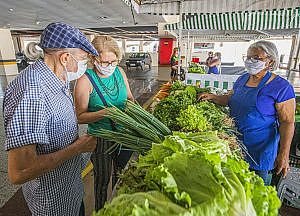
(224, 82)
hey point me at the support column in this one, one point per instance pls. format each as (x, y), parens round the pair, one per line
(124, 46)
(294, 55)
(17, 44)
(180, 37)
(141, 46)
(8, 64)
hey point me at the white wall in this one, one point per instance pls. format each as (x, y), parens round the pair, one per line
(7, 52)
(234, 51)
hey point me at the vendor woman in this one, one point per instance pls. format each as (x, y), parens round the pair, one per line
(263, 107)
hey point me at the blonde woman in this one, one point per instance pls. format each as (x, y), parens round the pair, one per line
(103, 85)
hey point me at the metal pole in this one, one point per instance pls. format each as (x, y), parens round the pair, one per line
(298, 51)
(187, 58)
(295, 43)
(192, 47)
(180, 36)
(291, 55)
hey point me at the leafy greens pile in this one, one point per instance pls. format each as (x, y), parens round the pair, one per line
(192, 174)
(181, 111)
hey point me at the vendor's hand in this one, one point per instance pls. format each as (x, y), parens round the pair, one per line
(205, 96)
(282, 164)
(86, 143)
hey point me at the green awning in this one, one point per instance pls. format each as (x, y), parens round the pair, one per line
(288, 18)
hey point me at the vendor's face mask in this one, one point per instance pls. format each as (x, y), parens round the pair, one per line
(254, 66)
(81, 68)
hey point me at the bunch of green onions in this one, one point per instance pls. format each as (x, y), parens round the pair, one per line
(136, 128)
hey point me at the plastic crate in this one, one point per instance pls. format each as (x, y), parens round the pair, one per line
(295, 161)
(295, 145)
(289, 187)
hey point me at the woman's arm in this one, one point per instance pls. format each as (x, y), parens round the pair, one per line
(82, 92)
(24, 164)
(217, 99)
(207, 62)
(129, 93)
(286, 115)
(214, 63)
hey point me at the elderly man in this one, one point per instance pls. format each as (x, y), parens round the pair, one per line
(44, 150)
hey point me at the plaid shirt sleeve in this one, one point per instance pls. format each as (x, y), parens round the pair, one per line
(27, 125)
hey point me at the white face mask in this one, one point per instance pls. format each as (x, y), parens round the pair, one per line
(81, 68)
(106, 71)
(253, 66)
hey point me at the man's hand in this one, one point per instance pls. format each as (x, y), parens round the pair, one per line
(86, 143)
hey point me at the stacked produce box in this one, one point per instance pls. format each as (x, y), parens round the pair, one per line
(190, 161)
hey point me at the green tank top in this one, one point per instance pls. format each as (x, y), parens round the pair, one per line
(114, 92)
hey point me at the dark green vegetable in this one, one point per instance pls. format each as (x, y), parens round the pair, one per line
(298, 109)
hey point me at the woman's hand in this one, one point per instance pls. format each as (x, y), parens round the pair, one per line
(206, 96)
(282, 164)
(217, 99)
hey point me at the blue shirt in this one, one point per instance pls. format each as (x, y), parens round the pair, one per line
(276, 91)
(254, 111)
(213, 70)
(38, 109)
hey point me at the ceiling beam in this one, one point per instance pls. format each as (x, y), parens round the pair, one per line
(130, 32)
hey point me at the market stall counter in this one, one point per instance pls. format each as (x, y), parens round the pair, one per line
(197, 169)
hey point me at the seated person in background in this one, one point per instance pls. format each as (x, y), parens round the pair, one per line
(174, 64)
(214, 63)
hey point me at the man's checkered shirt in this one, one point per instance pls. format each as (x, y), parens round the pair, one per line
(38, 109)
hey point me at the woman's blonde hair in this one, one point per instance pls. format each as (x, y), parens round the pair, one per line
(105, 44)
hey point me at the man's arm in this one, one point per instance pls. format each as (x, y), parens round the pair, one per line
(24, 164)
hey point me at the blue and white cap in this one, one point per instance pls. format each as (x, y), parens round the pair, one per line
(61, 35)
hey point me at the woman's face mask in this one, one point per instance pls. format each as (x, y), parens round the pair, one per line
(106, 63)
(106, 71)
(254, 66)
(81, 68)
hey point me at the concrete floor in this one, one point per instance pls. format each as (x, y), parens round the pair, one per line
(141, 82)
